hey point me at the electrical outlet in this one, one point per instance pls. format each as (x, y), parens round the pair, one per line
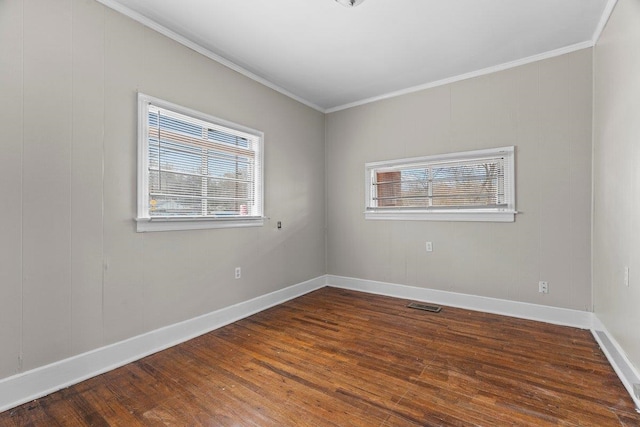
(636, 390)
(543, 287)
(626, 276)
(238, 272)
(429, 247)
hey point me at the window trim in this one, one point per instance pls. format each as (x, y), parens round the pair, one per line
(146, 223)
(506, 214)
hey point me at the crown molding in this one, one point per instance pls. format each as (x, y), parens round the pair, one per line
(203, 51)
(606, 14)
(477, 73)
(470, 75)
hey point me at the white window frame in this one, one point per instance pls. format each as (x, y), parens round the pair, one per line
(493, 214)
(144, 221)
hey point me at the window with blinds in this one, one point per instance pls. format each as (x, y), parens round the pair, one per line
(467, 186)
(196, 171)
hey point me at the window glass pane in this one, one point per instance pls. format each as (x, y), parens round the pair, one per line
(460, 181)
(174, 206)
(175, 157)
(466, 185)
(180, 126)
(199, 169)
(415, 187)
(217, 135)
(389, 188)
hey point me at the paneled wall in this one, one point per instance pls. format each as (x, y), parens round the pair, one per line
(544, 110)
(74, 274)
(616, 221)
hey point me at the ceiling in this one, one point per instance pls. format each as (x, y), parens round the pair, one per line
(331, 57)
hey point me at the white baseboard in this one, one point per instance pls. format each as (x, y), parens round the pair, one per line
(26, 386)
(617, 358)
(523, 310)
(560, 316)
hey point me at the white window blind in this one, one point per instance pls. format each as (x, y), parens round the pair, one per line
(470, 185)
(196, 167)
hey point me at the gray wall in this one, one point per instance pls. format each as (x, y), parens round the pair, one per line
(544, 109)
(78, 276)
(616, 228)
(74, 274)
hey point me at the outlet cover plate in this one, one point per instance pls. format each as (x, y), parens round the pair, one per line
(543, 287)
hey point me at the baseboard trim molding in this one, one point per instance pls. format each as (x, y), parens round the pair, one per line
(33, 384)
(30, 385)
(617, 358)
(559, 316)
(542, 313)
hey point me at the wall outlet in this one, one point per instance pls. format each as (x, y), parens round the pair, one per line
(543, 287)
(429, 247)
(238, 272)
(626, 276)
(636, 390)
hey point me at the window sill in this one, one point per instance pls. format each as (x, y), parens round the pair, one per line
(173, 224)
(472, 216)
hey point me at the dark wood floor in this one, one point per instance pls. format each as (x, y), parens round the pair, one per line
(343, 358)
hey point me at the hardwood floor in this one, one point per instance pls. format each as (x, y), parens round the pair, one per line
(343, 358)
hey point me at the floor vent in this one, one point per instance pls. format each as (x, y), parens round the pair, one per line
(425, 307)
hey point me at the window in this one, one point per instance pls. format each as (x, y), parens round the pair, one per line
(196, 171)
(468, 186)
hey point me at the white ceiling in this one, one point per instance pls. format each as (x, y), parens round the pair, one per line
(330, 57)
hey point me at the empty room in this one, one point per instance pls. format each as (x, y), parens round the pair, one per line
(320, 213)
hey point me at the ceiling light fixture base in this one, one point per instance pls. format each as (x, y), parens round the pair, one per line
(349, 3)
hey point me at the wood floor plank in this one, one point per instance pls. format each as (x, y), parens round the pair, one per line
(343, 358)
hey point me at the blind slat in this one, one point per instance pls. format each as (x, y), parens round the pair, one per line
(467, 183)
(199, 169)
